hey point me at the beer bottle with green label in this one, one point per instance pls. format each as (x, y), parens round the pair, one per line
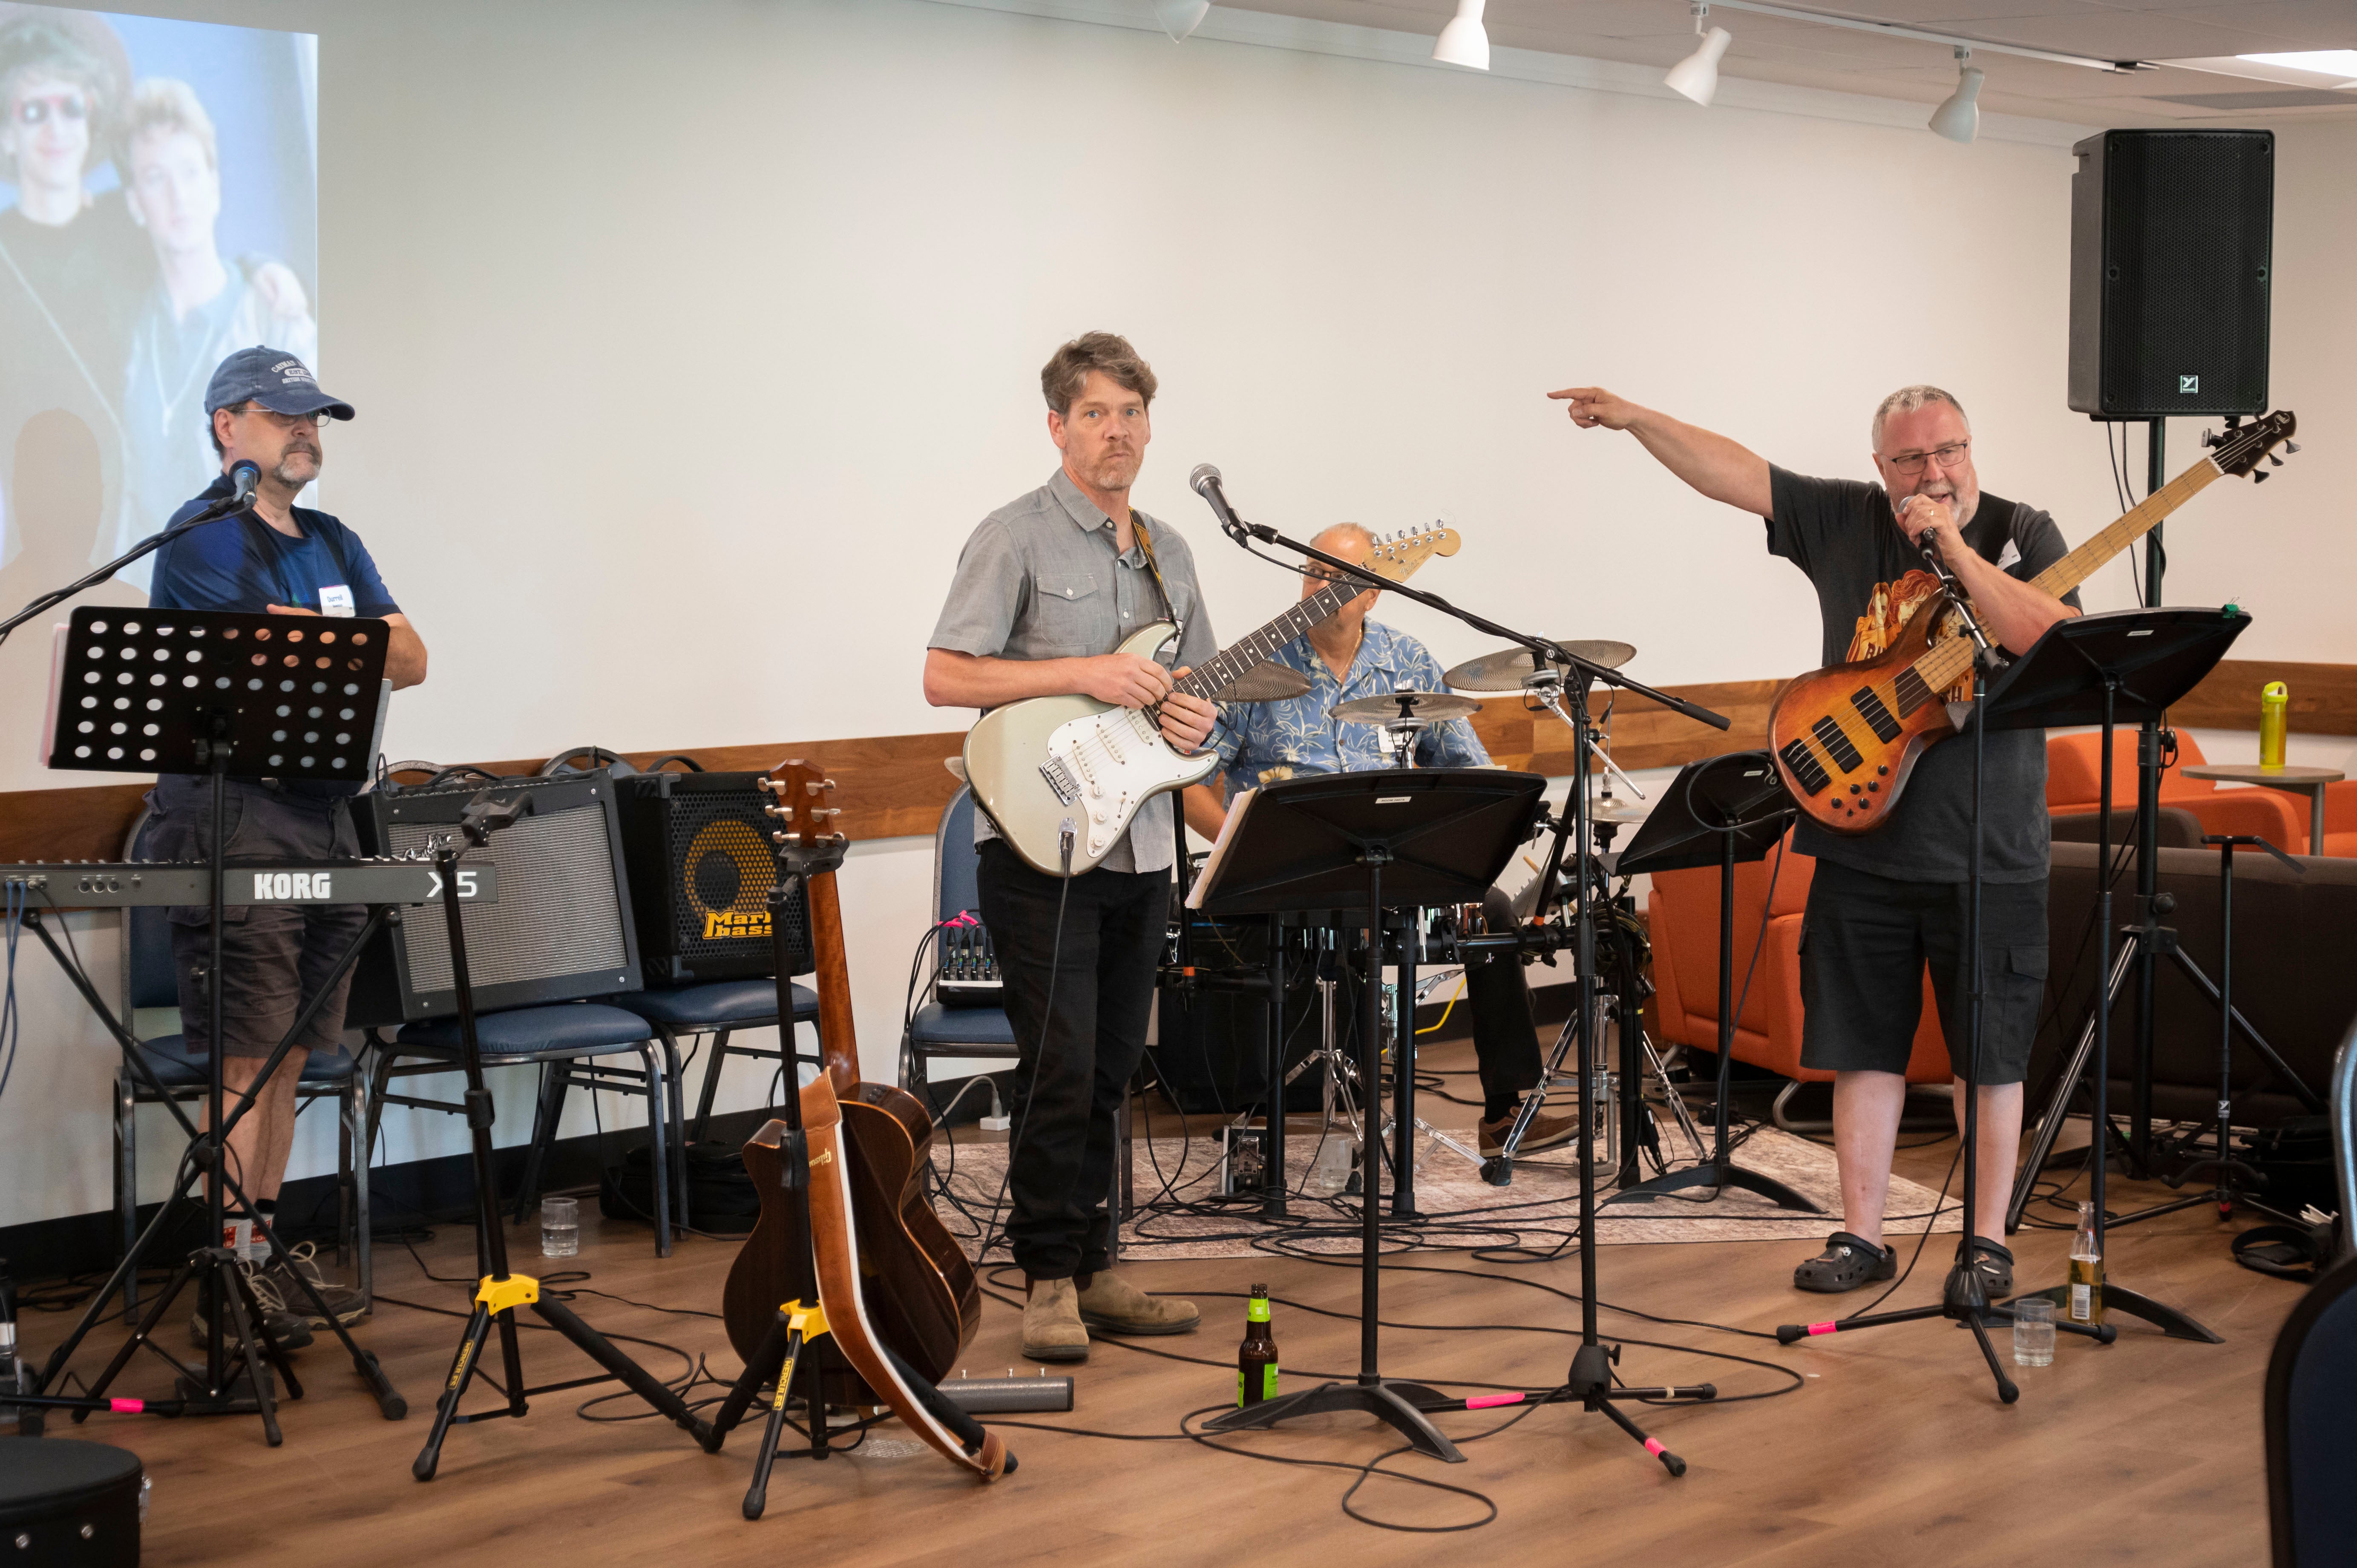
(1257, 1357)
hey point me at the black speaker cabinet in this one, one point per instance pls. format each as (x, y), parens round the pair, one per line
(1211, 1050)
(701, 871)
(2171, 234)
(560, 931)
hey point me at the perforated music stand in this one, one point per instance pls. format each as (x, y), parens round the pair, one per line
(1715, 812)
(1369, 841)
(196, 692)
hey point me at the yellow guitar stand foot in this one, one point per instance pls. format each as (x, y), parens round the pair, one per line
(780, 1360)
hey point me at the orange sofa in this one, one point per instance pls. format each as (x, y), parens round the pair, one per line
(2075, 779)
(1682, 913)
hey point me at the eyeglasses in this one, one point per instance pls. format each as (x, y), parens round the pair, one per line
(64, 105)
(1911, 464)
(284, 420)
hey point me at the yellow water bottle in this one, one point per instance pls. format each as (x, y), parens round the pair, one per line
(2274, 700)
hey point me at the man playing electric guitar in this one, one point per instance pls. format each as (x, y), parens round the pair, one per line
(1044, 587)
(1883, 904)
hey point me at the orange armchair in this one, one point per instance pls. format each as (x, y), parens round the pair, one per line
(1682, 913)
(2075, 779)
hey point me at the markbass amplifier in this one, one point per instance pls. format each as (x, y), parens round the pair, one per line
(560, 931)
(701, 870)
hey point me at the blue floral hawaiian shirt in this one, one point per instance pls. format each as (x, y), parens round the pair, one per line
(1298, 734)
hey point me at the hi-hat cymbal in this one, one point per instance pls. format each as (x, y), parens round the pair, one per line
(1429, 706)
(1506, 670)
(1606, 808)
(1266, 683)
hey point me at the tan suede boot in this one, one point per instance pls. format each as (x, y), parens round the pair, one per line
(1052, 1322)
(1113, 1304)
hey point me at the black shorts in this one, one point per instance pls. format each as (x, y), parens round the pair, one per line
(274, 958)
(1865, 941)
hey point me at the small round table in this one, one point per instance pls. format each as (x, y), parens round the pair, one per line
(2307, 781)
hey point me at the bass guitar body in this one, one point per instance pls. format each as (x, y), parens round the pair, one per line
(1846, 738)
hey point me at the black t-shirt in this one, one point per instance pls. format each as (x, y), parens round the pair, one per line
(1869, 580)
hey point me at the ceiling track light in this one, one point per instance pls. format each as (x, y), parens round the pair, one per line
(1463, 41)
(1180, 18)
(1959, 119)
(1697, 76)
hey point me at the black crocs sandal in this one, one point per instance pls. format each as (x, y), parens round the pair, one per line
(1848, 1263)
(1994, 1261)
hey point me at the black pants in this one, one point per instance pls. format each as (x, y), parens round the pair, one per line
(1079, 1044)
(1505, 1041)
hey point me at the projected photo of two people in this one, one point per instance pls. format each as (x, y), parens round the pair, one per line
(158, 211)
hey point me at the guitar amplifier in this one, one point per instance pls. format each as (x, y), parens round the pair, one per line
(561, 930)
(701, 870)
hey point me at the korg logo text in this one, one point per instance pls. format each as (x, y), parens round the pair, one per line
(270, 886)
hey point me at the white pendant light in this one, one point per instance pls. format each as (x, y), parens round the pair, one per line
(1463, 42)
(1697, 76)
(1959, 119)
(1180, 18)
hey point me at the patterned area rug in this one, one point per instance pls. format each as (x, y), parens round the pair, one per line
(1180, 1213)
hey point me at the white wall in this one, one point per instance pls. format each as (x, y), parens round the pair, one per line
(690, 340)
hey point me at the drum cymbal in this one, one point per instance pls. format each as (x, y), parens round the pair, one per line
(1429, 706)
(1606, 808)
(1505, 670)
(1266, 683)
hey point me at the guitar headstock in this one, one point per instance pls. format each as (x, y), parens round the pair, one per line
(1398, 555)
(2237, 451)
(799, 793)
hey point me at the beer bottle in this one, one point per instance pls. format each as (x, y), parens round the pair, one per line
(2086, 1302)
(1257, 1357)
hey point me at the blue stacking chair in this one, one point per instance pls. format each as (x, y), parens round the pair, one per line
(936, 1030)
(569, 1042)
(149, 980)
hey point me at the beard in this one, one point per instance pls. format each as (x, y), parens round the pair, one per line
(297, 466)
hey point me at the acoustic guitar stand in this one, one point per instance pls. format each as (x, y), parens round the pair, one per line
(501, 1291)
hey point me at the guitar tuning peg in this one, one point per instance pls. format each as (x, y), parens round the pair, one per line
(763, 783)
(2261, 477)
(2276, 461)
(2291, 446)
(773, 811)
(2211, 438)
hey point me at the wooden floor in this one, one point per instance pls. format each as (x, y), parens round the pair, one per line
(1894, 1449)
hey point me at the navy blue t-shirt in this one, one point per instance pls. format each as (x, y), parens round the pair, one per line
(241, 562)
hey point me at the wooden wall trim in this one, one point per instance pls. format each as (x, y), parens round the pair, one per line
(895, 786)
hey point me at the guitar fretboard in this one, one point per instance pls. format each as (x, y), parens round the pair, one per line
(1943, 665)
(1227, 666)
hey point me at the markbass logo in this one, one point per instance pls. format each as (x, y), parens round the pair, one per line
(727, 926)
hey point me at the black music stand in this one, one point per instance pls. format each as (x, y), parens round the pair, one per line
(2079, 672)
(187, 691)
(1370, 840)
(2128, 665)
(1715, 812)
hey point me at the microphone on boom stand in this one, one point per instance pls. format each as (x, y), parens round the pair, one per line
(1205, 482)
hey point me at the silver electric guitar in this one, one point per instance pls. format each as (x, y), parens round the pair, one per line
(1045, 764)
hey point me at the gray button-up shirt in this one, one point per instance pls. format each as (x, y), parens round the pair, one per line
(1040, 579)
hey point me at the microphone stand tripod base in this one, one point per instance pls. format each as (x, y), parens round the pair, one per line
(1396, 1404)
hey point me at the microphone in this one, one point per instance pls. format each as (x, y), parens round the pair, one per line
(1205, 482)
(244, 475)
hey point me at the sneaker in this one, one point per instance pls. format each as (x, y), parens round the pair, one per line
(342, 1301)
(290, 1330)
(1544, 1133)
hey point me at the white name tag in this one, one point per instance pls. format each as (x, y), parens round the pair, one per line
(336, 599)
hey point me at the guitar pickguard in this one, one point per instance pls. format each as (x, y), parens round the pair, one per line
(1107, 764)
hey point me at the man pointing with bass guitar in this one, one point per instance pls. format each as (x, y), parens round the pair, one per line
(1885, 903)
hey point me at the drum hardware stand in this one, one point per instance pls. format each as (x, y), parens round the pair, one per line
(1590, 1379)
(1758, 816)
(2169, 651)
(501, 1291)
(208, 732)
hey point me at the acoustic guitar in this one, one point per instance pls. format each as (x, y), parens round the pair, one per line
(1845, 739)
(923, 1300)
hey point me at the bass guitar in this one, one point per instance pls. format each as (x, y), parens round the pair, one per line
(1845, 739)
(921, 1297)
(1047, 766)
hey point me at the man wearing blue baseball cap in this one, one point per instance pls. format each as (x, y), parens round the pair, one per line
(274, 556)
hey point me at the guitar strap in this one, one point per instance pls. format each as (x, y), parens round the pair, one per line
(1153, 568)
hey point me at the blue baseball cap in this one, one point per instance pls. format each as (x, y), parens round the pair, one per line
(275, 379)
